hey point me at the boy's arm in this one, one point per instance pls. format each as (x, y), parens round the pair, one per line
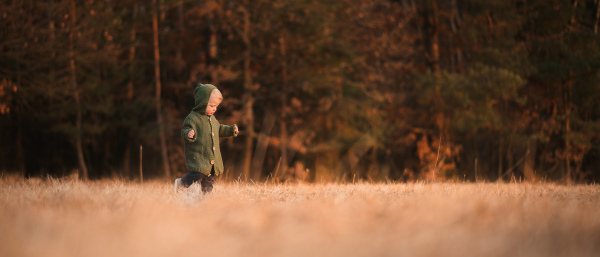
(228, 131)
(187, 127)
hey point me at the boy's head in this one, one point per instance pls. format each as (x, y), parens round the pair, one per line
(207, 98)
(215, 99)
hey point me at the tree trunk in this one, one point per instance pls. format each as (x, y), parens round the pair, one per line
(456, 59)
(435, 48)
(161, 132)
(597, 17)
(261, 146)
(132, 55)
(20, 158)
(248, 97)
(179, 63)
(567, 150)
(574, 10)
(567, 105)
(126, 157)
(529, 164)
(212, 51)
(132, 49)
(500, 154)
(374, 169)
(283, 115)
(19, 145)
(161, 9)
(509, 160)
(106, 162)
(567, 143)
(415, 11)
(78, 121)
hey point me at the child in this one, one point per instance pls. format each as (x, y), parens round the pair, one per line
(201, 132)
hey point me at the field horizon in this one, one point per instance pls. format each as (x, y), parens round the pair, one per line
(61, 217)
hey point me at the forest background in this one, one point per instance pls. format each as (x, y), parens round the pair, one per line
(374, 90)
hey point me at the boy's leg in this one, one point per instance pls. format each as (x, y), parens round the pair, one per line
(208, 181)
(190, 178)
(177, 185)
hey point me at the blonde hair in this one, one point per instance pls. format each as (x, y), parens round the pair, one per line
(216, 93)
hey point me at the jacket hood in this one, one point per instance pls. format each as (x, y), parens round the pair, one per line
(201, 97)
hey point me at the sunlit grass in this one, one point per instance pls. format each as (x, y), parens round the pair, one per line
(115, 218)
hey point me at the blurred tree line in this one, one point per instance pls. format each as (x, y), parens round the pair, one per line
(322, 90)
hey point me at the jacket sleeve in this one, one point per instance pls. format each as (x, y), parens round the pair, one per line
(187, 126)
(227, 131)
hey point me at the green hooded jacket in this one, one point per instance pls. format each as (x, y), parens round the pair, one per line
(202, 151)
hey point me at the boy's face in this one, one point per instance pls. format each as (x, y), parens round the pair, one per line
(213, 102)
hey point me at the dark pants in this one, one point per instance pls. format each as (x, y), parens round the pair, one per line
(205, 181)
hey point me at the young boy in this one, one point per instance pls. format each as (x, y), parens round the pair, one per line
(201, 132)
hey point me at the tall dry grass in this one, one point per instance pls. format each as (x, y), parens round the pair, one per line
(115, 218)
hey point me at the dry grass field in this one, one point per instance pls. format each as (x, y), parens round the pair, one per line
(115, 218)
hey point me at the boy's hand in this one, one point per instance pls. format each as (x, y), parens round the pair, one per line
(191, 134)
(235, 129)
